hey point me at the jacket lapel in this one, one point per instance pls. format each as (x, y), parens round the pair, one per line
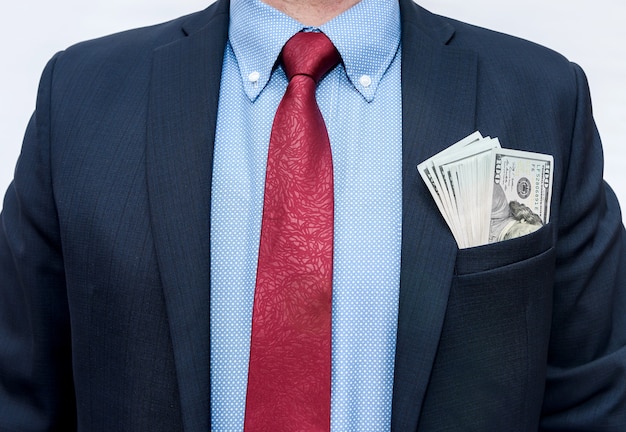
(438, 107)
(181, 130)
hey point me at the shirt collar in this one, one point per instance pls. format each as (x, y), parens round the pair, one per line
(367, 36)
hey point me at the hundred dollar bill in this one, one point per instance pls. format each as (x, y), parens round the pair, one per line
(427, 172)
(460, 181)
(438, 185)
(486, 193)
(522, 193)
(466, 174)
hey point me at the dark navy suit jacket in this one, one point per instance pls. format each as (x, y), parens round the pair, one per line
(105, 233)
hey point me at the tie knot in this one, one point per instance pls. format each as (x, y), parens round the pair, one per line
(309, 53)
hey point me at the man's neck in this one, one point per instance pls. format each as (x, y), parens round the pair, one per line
(312, 12)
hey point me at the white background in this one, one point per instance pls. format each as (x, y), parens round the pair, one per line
(592, 34)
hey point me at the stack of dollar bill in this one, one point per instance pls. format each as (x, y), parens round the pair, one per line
(487, 193)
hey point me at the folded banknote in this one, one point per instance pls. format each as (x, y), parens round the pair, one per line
(487, 193)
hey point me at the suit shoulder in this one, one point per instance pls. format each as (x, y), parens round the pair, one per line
(514, 65)
(510, 61)
(130, 47)
(502, 49)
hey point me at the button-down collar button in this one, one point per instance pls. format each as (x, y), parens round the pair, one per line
(365, 80)
(254, 76)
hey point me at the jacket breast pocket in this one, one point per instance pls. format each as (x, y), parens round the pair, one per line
(508, 252)
(493, 346)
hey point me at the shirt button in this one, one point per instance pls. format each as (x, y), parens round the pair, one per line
(365, 80)
(254, 76)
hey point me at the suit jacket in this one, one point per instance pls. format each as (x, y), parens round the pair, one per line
(104, 247)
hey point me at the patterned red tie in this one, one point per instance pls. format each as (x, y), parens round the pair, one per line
(290, 348)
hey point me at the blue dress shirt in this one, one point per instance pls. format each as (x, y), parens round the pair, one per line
(360, 101)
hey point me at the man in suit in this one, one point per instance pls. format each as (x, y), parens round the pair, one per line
(129, 234)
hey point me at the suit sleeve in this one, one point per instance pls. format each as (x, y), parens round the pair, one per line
(586, 375)
(36, 390)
